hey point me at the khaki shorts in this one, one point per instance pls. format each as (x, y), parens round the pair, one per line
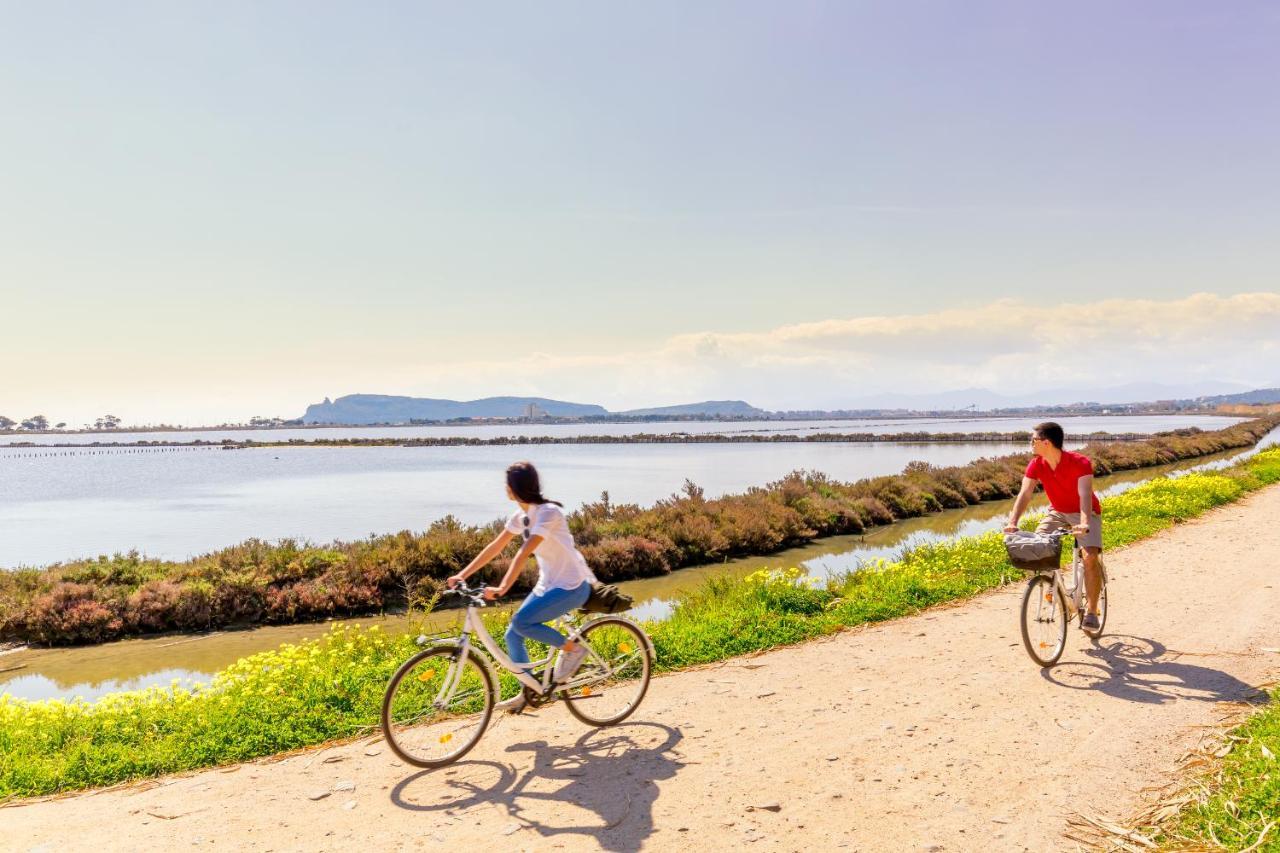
(1066, 520)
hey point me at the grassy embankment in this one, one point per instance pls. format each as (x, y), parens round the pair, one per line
(331, 688)
(258, 582)
(1238, 807)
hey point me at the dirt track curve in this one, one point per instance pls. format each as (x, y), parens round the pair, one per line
(929, 733)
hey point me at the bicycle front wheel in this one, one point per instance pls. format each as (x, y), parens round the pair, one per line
(437, 706)
(1044, 621)
(614, 676)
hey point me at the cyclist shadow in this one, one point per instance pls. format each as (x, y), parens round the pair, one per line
(1139, 669)
(609, 772)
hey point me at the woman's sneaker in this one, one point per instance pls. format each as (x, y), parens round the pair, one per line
(569, 662)
(1090, 622)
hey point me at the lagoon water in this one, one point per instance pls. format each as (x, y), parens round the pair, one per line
(93, 671)
(877, 426)
(178, 504)
(59, 504)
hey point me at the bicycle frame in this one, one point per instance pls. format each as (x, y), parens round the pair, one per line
(474, 625)
(1076, 595)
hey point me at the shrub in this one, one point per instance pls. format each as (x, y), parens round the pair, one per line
(287, 581)
(151, 607)
(627, 557)
(72, 613)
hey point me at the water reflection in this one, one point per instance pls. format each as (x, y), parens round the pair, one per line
(93, 671)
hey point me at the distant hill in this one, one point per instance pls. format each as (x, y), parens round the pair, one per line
(710, 408)
(1261, 396)
(358, 409)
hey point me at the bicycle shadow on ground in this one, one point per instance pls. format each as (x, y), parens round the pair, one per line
(603, 786)
(1138, 669)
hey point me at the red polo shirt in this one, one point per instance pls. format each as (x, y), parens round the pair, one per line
(1061, 484)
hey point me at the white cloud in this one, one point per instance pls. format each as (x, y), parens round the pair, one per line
(1007, 345)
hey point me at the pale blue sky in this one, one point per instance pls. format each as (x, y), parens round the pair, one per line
(213, 210)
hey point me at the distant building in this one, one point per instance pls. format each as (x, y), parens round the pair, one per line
(534, 412)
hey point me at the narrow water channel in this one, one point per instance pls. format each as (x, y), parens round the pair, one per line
(93, 671)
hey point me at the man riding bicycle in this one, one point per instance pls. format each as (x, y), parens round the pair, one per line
(1068, 483)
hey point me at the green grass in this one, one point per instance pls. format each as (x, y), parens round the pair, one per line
(1243, 795)
(331, 688)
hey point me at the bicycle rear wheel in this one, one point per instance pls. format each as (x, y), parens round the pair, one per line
(1044, 621)
(614, 677)
(437, 706)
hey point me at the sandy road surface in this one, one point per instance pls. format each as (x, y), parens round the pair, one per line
(929, 733)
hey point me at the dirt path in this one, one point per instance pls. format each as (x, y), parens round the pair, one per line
(929, 733)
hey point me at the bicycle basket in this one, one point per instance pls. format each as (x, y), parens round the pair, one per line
(607, 598)
(1034, 552)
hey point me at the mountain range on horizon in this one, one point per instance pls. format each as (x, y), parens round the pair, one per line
(363, 409)
(358, 409)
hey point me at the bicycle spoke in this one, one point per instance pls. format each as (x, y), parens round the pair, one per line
(616, 676)
(436, 707)
(607, 669)
(1043, 620)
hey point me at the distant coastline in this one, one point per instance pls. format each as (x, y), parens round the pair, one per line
(635, 438)
(769, 417)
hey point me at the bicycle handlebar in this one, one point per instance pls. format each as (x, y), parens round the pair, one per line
(475, 594)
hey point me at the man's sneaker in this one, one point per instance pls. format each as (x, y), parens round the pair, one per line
(1091, 622)
(514, 705)
(569, 662)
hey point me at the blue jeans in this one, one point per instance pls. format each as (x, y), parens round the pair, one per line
(537, 609)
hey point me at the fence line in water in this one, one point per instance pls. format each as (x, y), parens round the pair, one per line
(31, 453)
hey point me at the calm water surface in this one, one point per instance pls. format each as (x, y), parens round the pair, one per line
(878, 426)
(94, 671)
(58, 504)
(182, 503)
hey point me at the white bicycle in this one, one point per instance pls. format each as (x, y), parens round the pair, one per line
(1048, 605)
(438, 704)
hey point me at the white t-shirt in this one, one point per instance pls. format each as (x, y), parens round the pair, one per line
(560, 564)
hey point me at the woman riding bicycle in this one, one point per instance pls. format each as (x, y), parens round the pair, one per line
(564, 580)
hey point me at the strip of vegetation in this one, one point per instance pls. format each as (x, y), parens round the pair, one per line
(632, 438)
(331, 688)
(1239, 805)
(257, 582)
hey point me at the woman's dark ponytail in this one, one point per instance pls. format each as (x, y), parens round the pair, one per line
(522, 477)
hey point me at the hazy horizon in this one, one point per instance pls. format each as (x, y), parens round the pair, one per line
(982, 400)
(212, 213)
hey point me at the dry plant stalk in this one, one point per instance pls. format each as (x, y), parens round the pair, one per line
(1215, 742)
